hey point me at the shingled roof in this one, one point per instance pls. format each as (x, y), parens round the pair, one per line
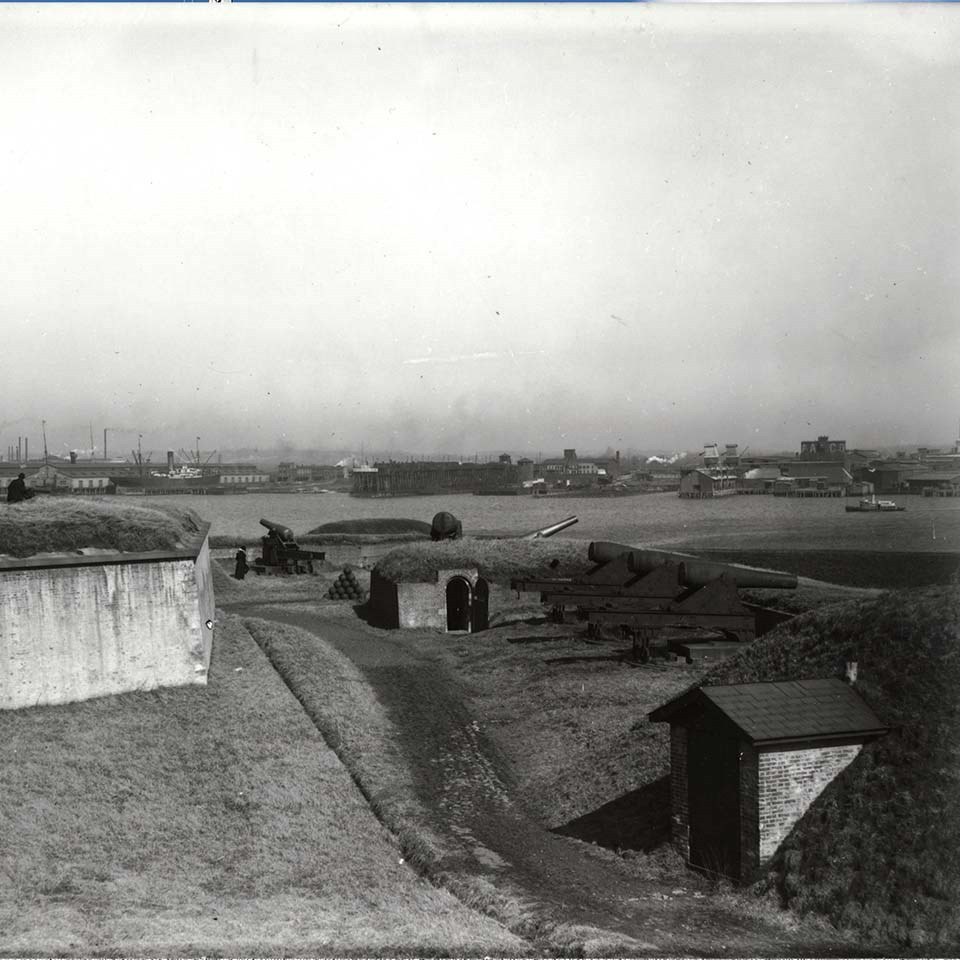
(782, 712)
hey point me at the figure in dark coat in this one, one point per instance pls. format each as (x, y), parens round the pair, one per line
(241, 569)
(17, 490)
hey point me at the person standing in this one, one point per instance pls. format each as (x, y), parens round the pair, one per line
(240, 571)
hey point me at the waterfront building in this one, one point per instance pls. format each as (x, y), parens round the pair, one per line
(823, 448)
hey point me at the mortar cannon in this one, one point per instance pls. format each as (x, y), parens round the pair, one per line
(692, 571)
(445, 526)
(280, 553)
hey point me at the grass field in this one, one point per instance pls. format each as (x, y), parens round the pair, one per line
(204, 821)
(57, 524)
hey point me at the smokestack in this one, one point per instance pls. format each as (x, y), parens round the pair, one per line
(73, 456)
(26, 449)
(104, 443)
(169, 461)
(19, 449)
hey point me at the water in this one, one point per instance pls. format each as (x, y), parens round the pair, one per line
(659, 519)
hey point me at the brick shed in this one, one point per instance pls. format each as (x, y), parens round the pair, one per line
(748, 759)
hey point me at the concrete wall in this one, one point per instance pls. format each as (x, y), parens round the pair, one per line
(87, 630)
(422, 605)
(789, 781)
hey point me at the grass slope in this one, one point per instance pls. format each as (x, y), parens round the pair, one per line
(58, 524)
(879, 851)
(497, 560)
(375, 526)
(342, 704)
(209, 820)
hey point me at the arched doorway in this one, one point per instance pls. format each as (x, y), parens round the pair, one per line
(458, 604)
(480, 614)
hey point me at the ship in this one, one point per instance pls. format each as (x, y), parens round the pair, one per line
(185, 478)
(175, 480)
(873, 505)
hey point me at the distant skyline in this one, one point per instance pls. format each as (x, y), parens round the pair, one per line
(459, 228)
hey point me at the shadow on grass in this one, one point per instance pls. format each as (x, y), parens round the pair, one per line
(639, 820)
(540, 638)
(591, 658)
(508, 621)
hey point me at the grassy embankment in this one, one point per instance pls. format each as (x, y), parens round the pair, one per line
(64, 524)
(208, 820)
(879, 851)
(496, 560)
(344, 707)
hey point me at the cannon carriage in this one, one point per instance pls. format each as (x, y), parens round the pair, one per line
(281, 555)
(638, 593)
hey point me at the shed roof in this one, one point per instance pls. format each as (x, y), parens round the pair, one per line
(782, 712)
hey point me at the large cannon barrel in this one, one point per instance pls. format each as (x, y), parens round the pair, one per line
(603, 551)
(552, 529)
(284, 533)
(693, 572)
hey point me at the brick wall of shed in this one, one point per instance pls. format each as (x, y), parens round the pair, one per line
(679, 805)
(789, 781)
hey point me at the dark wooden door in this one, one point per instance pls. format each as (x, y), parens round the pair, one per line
(713, 772)
(458, 604)
(480, 618)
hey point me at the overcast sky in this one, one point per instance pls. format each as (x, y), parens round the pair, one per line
(458, 228)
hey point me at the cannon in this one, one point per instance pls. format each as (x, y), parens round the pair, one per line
(280, 553)
(551, 530)
(693, 572)
(642, 591)
(445, 526)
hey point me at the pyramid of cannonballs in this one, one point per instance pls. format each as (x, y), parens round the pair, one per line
(345, 587)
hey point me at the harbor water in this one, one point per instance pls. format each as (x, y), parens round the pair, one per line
(929, 524)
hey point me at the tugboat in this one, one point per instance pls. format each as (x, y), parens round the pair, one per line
(873, 505)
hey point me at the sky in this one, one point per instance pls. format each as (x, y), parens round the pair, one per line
(457, 228)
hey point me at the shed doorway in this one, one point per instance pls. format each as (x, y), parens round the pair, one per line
(458, 604)
(480, 615)
(713, 770)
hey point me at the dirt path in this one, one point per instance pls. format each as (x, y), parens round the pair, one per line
(462, 781)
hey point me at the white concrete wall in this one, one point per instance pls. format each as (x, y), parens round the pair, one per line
(72, 633)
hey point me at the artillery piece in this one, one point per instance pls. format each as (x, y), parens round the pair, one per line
(643, 591)
(280, 553)
(445, 526)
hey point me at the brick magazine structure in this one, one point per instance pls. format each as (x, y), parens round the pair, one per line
(748, 759)
(456, 601)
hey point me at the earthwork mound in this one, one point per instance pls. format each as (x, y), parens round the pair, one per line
(69, 524)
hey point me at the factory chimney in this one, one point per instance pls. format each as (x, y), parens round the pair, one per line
(169, 461)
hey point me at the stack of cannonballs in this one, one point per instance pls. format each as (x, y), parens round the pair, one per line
(345, 587)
